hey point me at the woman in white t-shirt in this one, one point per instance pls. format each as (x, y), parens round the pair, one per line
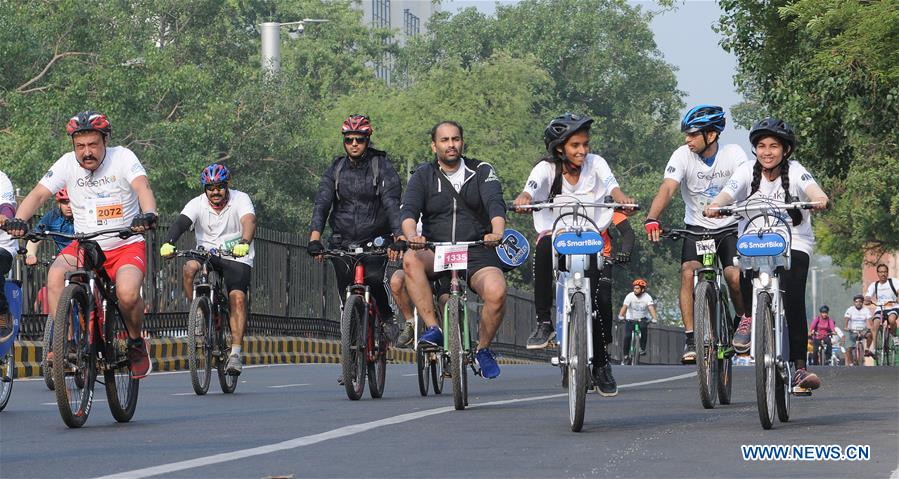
(775, 177)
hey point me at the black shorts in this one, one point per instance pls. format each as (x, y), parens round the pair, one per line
(725, 243)
(236, 274)
(479, 257)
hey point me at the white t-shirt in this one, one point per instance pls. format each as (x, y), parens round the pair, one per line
(595, 183)
(221, 229)
(740, 185)
(884, 292)
(103, 198)
(637, 307)
(7, 195)
(857, 318)
(701, 183)
(457, 178)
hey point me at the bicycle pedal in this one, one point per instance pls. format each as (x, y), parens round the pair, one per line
(729, 353)
(798, 391)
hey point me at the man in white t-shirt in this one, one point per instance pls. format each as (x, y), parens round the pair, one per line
(638, 306)
(883, 292)
(8, 244)
(858, 322)
(700, 168)
(108, 188)
(223, 219)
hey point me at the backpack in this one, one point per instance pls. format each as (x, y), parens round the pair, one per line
(375, 178)
(891, 287)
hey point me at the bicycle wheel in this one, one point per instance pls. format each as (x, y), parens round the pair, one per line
(782, 393)
(438, 371)
(725, 366)
(199, 351)
(635, 347)
(376, 352)
(7, 373)
(457, 355)
(423, 368)
(889, 350)
(765, 371)
(228, 382)
(352, 347)
(577, 362)
(705, 303)
(47, 345)
(74, 356)
(121, 388)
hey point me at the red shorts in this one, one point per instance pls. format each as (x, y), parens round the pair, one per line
(130, 254)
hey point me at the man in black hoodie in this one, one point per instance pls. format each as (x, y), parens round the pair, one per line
(459, 199)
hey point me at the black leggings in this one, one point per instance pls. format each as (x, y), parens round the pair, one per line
(792, 284)
(374, 277)
(545, 290)
(5, 265)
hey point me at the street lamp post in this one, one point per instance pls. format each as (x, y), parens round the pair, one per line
(271, 41)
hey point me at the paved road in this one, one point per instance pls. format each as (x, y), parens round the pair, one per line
(295, 420)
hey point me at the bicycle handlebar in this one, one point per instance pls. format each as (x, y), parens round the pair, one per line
(678, 233)
(123, 233)
(540, 206)
(761, 206)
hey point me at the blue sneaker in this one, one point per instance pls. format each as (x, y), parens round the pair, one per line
(487, 362)
(432, 335)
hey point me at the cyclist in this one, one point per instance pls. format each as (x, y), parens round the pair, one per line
(359, 197)
(774, 176)
(638, 306)
(458, 199)
(222, 218)
(883, 291)
(821, 329)
(858, 322)
(109, 188)
(58, 220)
(568, 168)
(701, 167)
(8, 245)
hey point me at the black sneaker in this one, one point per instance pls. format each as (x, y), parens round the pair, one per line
(689, 356)
(604, 381)
(541, 336)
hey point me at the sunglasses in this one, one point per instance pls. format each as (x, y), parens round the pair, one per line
(217, 186)
(349, 140)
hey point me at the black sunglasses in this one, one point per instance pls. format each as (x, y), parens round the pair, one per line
(216, 186)
(349, 140)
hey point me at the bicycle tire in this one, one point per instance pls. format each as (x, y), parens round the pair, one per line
(199, 350)
(75, 391)
(7, 375)
(635, 348)
(423, 368)
(352, 351)
(765, 370)
(889, 351)
(228, 382)
(121, 389)
(725, 366)
(457, 356)
(577, 362)
(705, 301)
(376, 348)
(47, 344)
(782, 393)
(438, 372)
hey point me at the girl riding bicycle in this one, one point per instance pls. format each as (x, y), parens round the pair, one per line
(773, 177)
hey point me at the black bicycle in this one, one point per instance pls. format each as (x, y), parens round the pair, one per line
(208, 325)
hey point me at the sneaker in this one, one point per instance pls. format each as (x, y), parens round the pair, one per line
(406, 337)
(487, 363)
(689, 356)
(139, 359)
(432, 336)
(743, 336)
(541, 336)
(604, 381)
(234, 365)
(805, 380)
(340, 379)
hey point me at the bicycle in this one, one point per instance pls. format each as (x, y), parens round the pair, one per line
(363, 347)
(9, 331)
(47, 339)
(861, 346)
(885, 342)
(822, 349)
(764, 248)
(89, 336)
(208, 342)
(577, 237)
(712, 313)
(636, 335)
(431, 363)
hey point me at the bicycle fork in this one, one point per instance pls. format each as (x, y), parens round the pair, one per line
(573, 284)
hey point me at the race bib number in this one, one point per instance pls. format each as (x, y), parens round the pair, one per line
(447, 258)
(228, 245)
(108, 212)
(705, 247)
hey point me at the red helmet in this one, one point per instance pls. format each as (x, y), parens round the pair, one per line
(640, 282)
(62, 195)
(356, 124)
(87, 121)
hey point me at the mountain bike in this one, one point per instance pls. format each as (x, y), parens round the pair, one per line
(763, 250)
(208, 341)
(9, 331)
(885, 342)
(861, 347)
(89, 336)
(576, 239)
(431, 363)
(47, 339)
(363, 344)
(632, 356)
(712, 313)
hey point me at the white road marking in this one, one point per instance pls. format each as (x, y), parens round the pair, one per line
(54, 404)
(334, 434)
(183, 394)
(409, 375)
(289, 385)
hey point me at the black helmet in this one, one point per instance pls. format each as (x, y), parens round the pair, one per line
(703, 118)
(858, 297)
(776, 128)
(562, 127)
(824, 309)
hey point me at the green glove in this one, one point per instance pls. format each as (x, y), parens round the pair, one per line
(167, 250)
(240, 249)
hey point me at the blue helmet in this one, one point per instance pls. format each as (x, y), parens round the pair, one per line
(214, 173)
(703, 118)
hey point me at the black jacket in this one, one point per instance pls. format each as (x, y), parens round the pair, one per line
(444, 220)
(360, 213)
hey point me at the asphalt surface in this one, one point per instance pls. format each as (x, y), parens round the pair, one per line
(296, 421)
